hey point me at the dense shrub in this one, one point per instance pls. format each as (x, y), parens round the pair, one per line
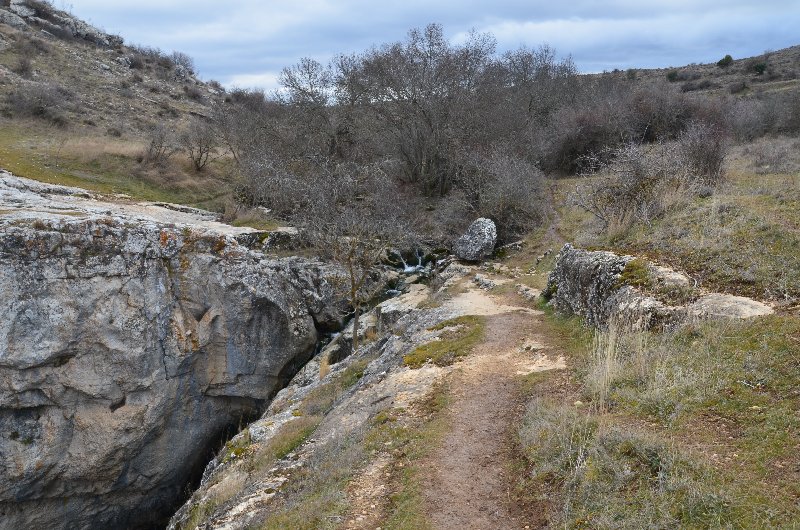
(40, 101)
(193, 92)
(137, 61)
(699, 85)
(725, 61)
(583, 131)
(703, 148)
(638, 185)
(506, 189)
(737, 87)
(183, 60)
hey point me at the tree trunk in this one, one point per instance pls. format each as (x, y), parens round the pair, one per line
(355, 327)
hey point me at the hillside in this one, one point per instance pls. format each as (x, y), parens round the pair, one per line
(80, 107)
(774, 70)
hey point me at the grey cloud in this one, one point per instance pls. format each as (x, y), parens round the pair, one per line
(252, 40)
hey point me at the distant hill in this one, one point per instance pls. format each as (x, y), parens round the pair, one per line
(770, 71)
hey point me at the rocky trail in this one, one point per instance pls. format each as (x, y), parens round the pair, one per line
(468, 486)
(466, 478)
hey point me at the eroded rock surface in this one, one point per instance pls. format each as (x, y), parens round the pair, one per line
(591, 284)
(478, 241)
(349, 398)
(132, 335)
(22, 14)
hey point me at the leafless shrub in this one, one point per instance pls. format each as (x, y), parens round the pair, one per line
(265, 180)
(692, 86)
(703, 147)
(137, 61)
(23, 67)
(193, 93)
(641, 183)
(183, 60)
(773, 155)
(752, 118)
(39, 101)
(506, 189)
(216, 85)
(579, 132)
(737, 87)
(160, 148)
(199, 140)
(29, 46)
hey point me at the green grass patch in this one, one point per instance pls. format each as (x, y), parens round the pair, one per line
(256, 221)
(636, 274)
(322, 399)
(36, 153)
(410, 442)
(289, 437)
(460, 335)
(726, 385)
(744, 241)
(609, 476)
(316, 497)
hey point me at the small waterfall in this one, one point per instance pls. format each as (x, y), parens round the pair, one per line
(411, 269)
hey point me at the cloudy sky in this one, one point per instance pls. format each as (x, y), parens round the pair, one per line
(246, 42)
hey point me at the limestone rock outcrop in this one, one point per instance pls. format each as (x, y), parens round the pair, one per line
(477, 242)
(132, 336)
(22, 14)
(591, 284)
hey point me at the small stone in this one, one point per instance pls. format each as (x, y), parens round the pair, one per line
(579, 404)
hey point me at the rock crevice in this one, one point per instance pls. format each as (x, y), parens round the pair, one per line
(128, 346)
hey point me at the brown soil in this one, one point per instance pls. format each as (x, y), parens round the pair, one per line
(468, 483)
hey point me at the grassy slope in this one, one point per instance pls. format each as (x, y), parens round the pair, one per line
(107, 114)
(694, 428)
(104, 165)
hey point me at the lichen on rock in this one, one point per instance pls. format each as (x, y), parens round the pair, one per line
(128, 346)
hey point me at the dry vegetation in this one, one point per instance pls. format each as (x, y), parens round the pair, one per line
(696, 167)
(695, 427)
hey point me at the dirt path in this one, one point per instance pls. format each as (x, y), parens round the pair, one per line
(468, 487)
(465, 479)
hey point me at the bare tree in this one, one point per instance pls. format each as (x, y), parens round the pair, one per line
(418, 90)
(199, 140)
(354, 221)
(161, 146)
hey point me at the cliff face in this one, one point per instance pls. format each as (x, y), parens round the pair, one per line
(131, 337)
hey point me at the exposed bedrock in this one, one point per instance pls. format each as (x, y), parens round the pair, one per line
(608, 289)
(126, 350)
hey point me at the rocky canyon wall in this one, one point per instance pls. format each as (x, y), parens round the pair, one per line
(131, 336)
